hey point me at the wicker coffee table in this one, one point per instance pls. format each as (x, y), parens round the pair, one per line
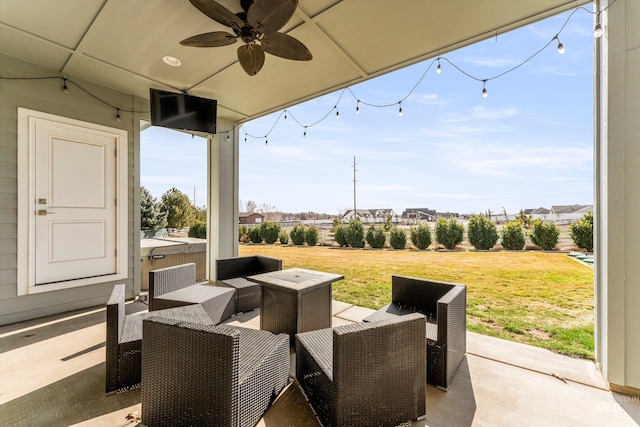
(295, 300)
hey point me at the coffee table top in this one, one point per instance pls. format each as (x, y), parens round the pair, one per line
(295, 279)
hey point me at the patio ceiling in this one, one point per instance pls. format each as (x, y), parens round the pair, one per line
(120, 44)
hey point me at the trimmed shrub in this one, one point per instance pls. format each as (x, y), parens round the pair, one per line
(254, 234)
(513, 236)
(340, 234)
(449, 232)
(269, 231)
(376, 237)
(544, 234)
(581, 232)
(283, 237)
(482, 232)
(397, 238)
(311, 236)
(198, 230)
(297, 235)
(355, 233)
(420, 236)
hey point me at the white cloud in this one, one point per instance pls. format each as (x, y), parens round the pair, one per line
(485, 113)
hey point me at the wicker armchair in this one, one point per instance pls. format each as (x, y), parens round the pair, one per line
(176, 286)
(365, 374)
(209, 375)
(445, 307)
(124, 339)
(232, 273)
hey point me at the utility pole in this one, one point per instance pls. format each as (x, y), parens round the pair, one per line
(354, 186)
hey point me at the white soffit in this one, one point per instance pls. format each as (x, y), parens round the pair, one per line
(120, 44)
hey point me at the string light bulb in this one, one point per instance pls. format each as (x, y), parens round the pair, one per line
(65, 88)
(337, 112)
(400, 109)
(597, 32)
(304, 135)
(439, 67)
(117, 115)
(228, 137)
(560, 46)
(484, 89)
(245, 138)
(285, 114)
(358, 107)
(266, 142)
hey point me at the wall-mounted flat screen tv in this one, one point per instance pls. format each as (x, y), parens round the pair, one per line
(182, 111)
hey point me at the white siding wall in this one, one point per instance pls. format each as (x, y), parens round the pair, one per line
(47, 96)
(618, 195)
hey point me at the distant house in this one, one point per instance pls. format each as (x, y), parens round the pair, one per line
(250, 218)
(419, 214)
(571, 209)
(369, 215)
(538, 211)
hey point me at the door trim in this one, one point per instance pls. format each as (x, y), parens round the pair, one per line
(27, 120)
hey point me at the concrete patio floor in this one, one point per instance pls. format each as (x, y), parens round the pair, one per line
(52, 373)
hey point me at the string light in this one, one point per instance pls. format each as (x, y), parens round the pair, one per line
(598, 32)
(228, 137)
(304, 135)
(266, 141)
(560, 45)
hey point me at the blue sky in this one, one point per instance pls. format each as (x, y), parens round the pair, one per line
(528, 144)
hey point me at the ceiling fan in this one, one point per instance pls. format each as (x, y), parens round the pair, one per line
(259, 22)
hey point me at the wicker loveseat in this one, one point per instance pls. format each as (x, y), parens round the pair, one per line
(365, 374)
(176, 286)
(445, 307)
(232, 273)
(124, 339)
(205, 375)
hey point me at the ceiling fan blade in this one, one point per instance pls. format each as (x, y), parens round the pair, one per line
(218, 13)
(268, 16)
(251, 57)
(285, 46)
(214, 39)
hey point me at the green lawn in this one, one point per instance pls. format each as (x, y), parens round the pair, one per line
(542, 299)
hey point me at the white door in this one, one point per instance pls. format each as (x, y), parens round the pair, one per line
(75, 203)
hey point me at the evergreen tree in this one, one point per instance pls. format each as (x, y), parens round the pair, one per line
(180, 212)
(151, 216)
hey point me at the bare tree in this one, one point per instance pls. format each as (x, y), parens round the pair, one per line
(251, 206)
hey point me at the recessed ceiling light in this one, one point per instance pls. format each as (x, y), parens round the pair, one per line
(170, 60)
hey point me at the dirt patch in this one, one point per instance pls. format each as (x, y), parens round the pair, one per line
(541, 335)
